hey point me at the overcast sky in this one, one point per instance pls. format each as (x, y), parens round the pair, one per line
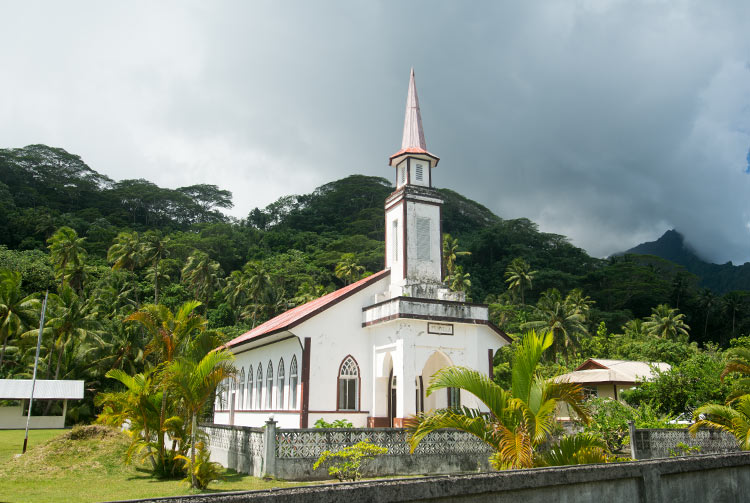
(606, 121)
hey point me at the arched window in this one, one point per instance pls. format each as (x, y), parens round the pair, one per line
(259, 388)
(269, 386)
(232, 394)
(280, 385)
(293, 383)
(250, 388)
(349, 385)
(241, 397)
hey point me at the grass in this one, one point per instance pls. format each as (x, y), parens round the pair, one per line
(60, 467)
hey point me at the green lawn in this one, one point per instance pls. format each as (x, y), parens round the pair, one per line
(58, 469)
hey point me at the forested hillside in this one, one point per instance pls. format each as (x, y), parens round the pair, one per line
(105, 249)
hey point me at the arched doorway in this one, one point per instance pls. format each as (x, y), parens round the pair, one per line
(439, 400)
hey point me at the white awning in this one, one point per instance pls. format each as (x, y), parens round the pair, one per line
(18, 389)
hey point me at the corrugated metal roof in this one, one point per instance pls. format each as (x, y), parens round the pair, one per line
(299, 314)
(597, 370)
(17, 389)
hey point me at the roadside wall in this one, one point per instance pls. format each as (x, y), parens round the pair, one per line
(721, 478)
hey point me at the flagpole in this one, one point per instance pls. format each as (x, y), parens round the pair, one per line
(36, 364)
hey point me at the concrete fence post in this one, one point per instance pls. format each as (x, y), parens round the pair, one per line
(269, 451)
(631, 430)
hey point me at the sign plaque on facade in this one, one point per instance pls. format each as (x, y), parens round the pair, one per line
(440, 328)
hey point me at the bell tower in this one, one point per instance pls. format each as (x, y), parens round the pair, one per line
(413, 228)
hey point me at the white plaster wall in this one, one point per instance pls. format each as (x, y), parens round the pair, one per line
(335, 334)
(248, 414)
(423, 270)
(12, 418)
(395, 263)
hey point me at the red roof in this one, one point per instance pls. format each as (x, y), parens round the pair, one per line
(297, 315)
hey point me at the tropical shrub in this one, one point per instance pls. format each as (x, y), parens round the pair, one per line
(202, 471)
(338, 423)
(347, 463)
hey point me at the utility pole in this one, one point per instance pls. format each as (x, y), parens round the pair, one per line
(36, 364)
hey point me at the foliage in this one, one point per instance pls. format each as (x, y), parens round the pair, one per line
(684, 387)
(734, 418)
(521, 418)
(609, 420)
(683, 449)
(578, 449)
(202, 471)
(337, 423)
(347, 463)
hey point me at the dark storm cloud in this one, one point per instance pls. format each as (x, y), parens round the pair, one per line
(608, 122)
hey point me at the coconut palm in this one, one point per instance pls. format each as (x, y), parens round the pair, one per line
(194, 381)
(733, 303)
(169, 334)
(459, 281)
(202, 275)
(666, 323)
(733, 418)
(709, 302)
(155, 247)
(16, 310)
(560, 317)
(67, 253)
(348, 269)
(519, 277)
(521, 418)
(451, 253)
(126, 253)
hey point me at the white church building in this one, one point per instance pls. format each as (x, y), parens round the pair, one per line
(366, 352)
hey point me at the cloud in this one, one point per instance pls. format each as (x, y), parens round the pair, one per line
(608, 122)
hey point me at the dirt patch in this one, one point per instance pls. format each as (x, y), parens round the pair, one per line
(92, 431)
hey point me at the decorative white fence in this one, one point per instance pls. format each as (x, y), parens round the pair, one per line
(649, 443)
(290, 453)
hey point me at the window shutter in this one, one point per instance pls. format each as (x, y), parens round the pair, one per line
(423, 239)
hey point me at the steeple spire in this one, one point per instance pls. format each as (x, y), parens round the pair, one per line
(413, 141)
(413, 132)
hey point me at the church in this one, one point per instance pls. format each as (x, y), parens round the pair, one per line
(366, 352)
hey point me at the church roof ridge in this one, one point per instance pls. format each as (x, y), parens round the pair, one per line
(296, 315)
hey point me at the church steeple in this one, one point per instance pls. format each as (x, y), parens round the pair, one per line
(413, 132)
(413, 162)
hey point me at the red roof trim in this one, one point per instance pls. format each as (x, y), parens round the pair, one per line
(591, 364)
(297, 315)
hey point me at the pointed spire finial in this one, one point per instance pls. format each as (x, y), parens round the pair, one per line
(413, 132)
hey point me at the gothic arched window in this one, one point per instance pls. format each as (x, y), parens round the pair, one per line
(241, 396)
(349, 385)
(269, 386)
(280, 385)
(250, 389)
(259, 388)
(293, 383)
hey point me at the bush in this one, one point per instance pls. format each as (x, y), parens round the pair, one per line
(205, 470)
(609, 420)
(338, 423)
(347, 463)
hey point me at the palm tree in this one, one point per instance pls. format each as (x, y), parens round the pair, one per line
(348, 269)
(71, 317)
(202, 275)
(16, 310)
(738, 360)
(67, 252)
(155, 247)
(634, 328)
(520, 419)
(708, 301)
(560, 317)
(451, 253)
(459, 281)
(579, 449)
(137, 406)
(169, 333)
(519, 276)
(666, 323)
(307, 292)
(126, 252)
(733, 418)
(194, 382)
(733, 303)
(258, 285)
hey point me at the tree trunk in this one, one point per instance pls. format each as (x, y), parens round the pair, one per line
(192, 452)
(5, 343)
(162, 415)
(156, 282)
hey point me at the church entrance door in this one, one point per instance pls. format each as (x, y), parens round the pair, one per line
(391, 398)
